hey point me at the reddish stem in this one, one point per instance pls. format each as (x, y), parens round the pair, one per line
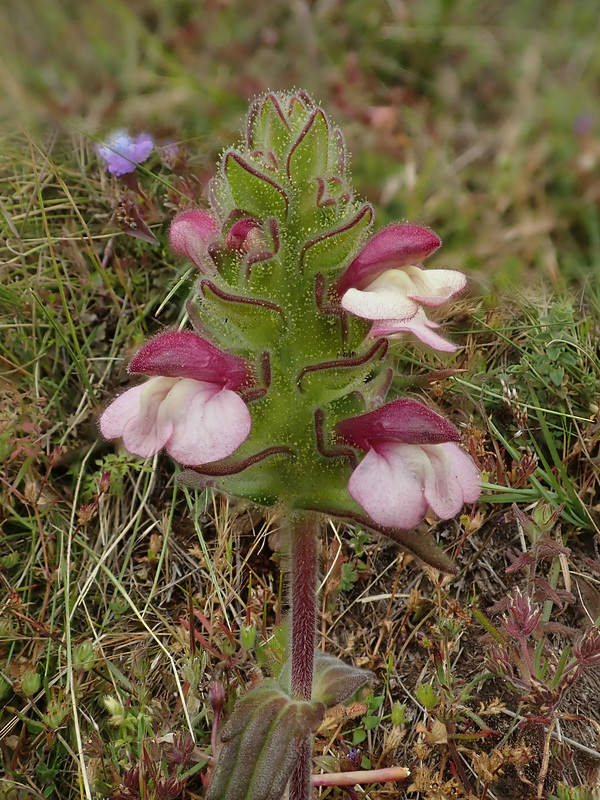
(384, 775)
(304, 556)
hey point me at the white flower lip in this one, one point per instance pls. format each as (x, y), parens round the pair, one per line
(197, 422)
(396, 483)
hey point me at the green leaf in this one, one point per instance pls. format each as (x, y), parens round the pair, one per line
(399, 714)
(253, 191)
(556, 375)
(489, 626)
(331, 378)
(5, 688)
(258, 322)
(371, 722)
(358, 736)
(376, 701)
(221, 198)
(257, 483)
(426, 695)
(348, 578)
(297, 111)
(336, 681)
(203, 316)
(261, 742)
(308, 156)
(332, 250)
(12, 559)
(46, 774)
(420, 544)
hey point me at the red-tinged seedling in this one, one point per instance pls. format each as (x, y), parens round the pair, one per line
(524, 652)
(522, 616)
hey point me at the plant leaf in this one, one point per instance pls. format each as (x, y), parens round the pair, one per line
(331, 250)
(252, 191)
(308, 156)
(261, 742)
(334, 682)
(257, 320)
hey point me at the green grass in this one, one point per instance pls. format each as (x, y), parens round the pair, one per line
(458, 115)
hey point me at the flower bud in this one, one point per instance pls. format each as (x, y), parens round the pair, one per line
(84, 657)
(246, 235)
(217, 697)
(248, 637)
(183, 749)
(56, 713)
(131, 780)
(168, 788)
(30, 683)
(104, 483)
(115, 708)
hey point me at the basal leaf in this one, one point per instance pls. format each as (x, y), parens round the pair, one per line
(261, 742)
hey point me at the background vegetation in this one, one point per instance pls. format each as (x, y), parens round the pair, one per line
(125, 598)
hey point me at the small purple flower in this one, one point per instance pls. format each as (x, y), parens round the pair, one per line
(122, 153)
(583, 124)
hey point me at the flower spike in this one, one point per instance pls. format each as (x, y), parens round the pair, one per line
(293, 313)
(277, 397)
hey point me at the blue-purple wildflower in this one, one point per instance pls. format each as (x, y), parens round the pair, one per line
(122, 152)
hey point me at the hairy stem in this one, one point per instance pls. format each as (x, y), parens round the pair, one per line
(304, 557)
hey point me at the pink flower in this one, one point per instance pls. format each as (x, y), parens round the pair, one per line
(245, 234)
(413, 463)
(190, 408)
(383, 284)
(122, 153)
(191, 233)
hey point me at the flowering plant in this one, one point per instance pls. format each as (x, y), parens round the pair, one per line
(278, 395)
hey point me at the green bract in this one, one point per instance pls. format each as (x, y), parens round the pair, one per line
(290, 226)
